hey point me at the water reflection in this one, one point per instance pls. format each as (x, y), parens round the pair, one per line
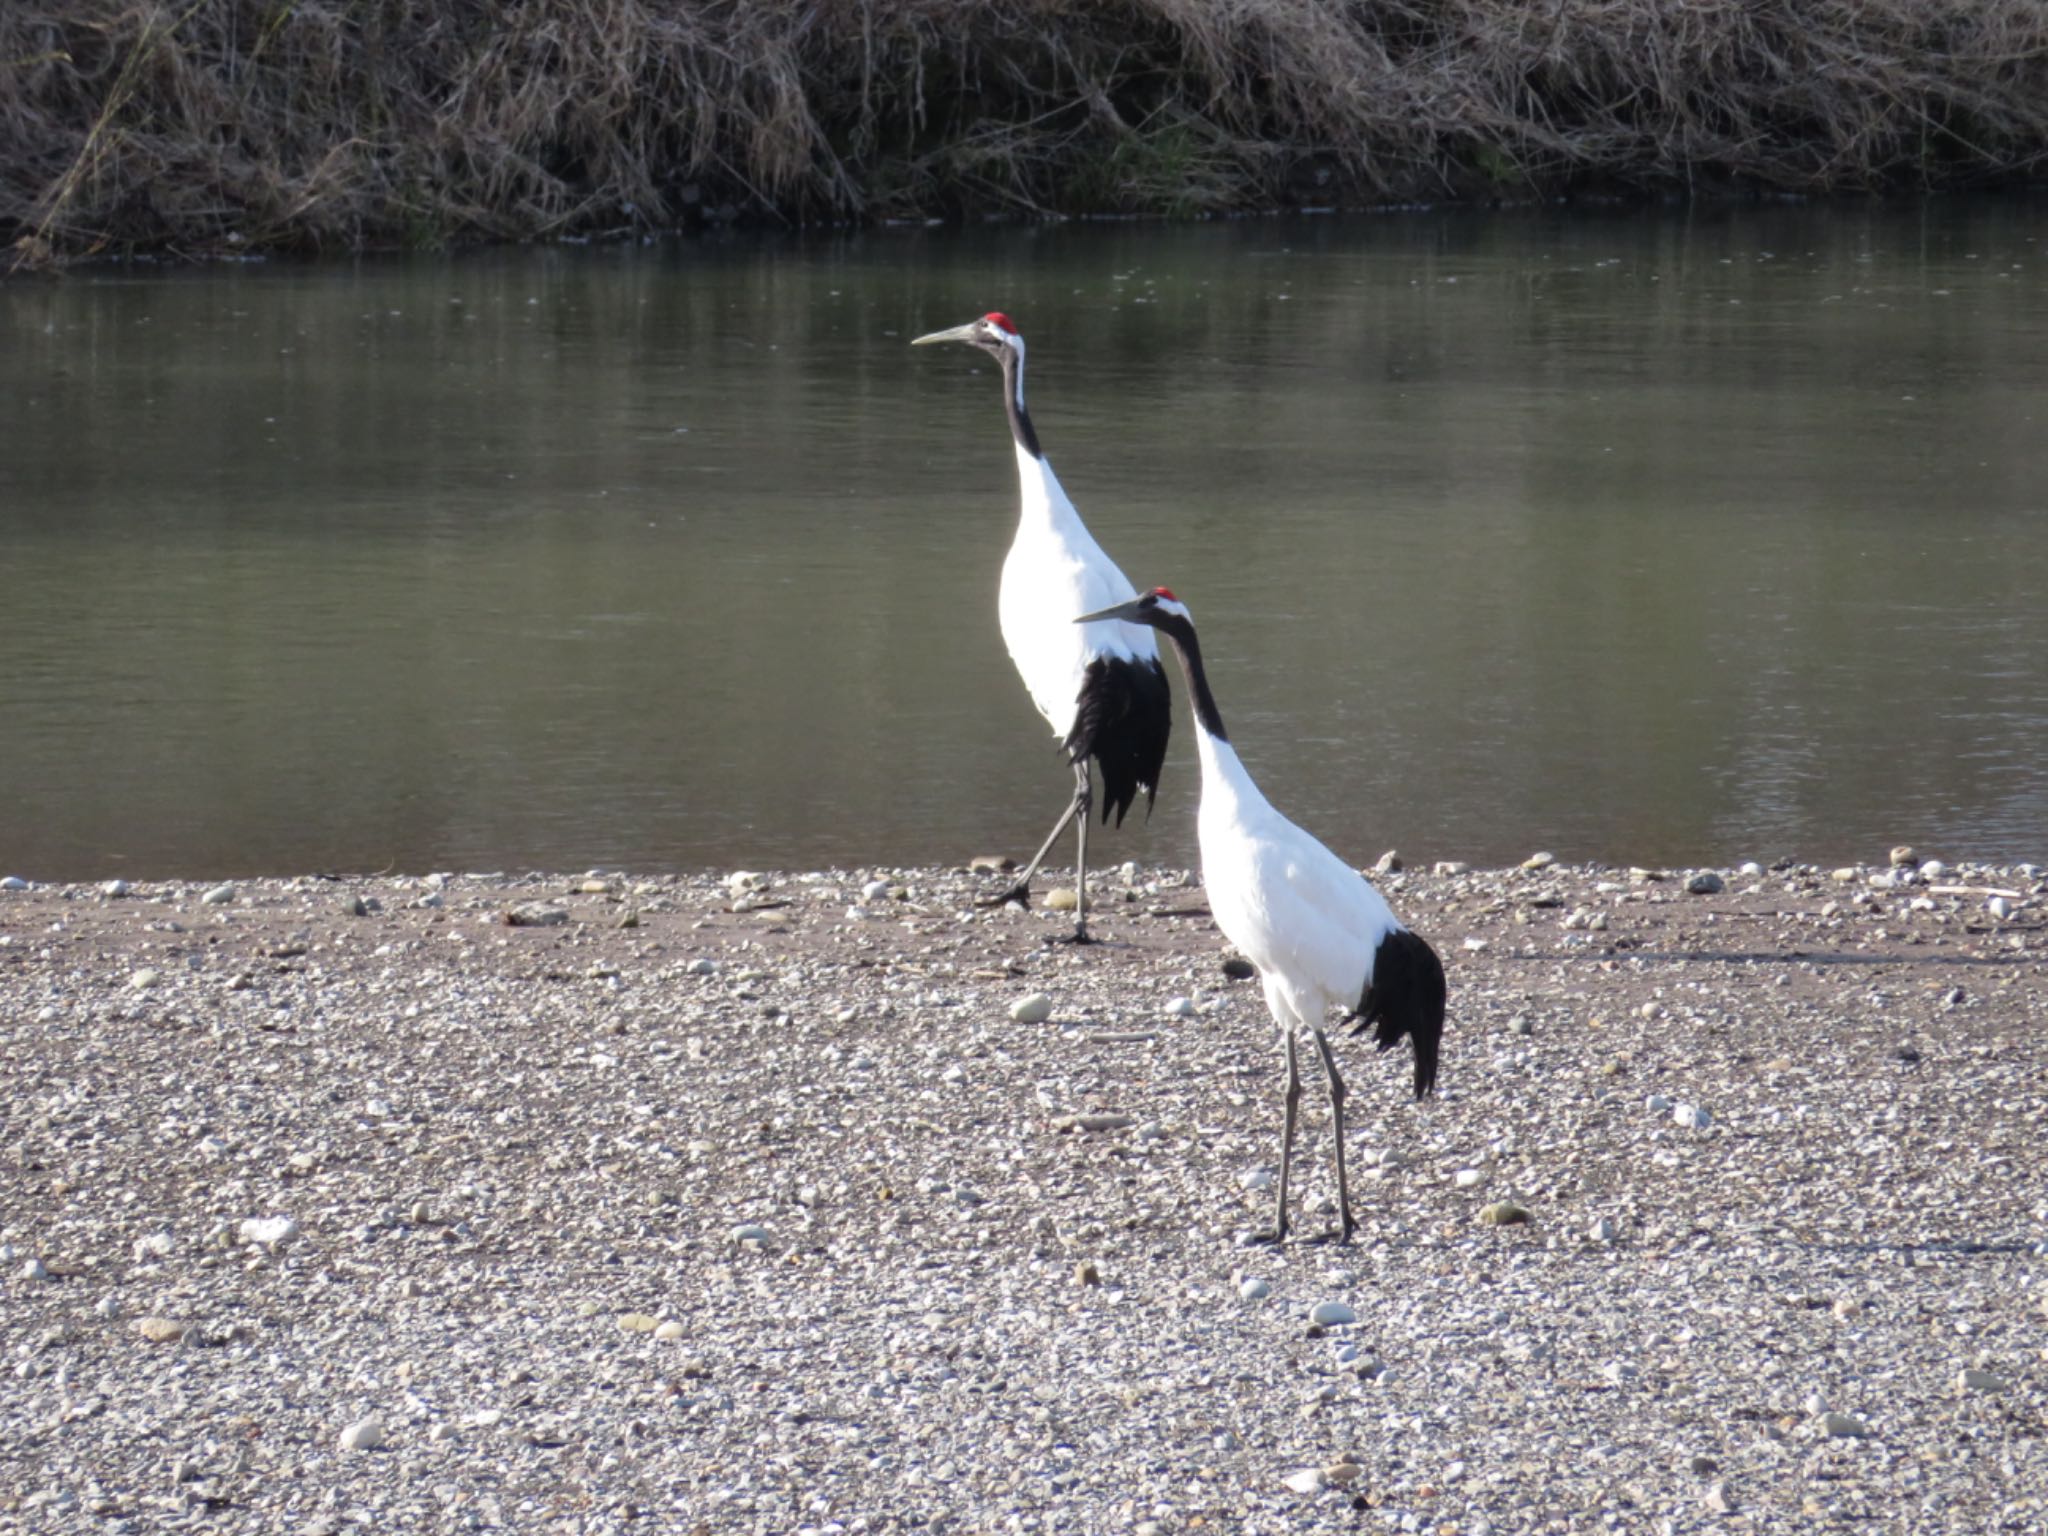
(1643, 538)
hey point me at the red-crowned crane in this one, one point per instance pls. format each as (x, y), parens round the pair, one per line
(1318, 932)
(1101, 687)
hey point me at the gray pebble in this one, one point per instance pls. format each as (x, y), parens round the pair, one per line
(13, 883)
(1253, 1289)
(1705, 883)
(1844, 1426)
(1331, 1314)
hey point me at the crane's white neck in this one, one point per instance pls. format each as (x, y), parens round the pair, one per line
(1044, 503)
(1224, 774)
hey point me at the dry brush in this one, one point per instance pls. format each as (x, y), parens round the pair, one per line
(209, 125)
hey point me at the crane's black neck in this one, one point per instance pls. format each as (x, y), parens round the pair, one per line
(1013, 403)
(1182, 634)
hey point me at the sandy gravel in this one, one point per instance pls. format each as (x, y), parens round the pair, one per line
(748, 1206)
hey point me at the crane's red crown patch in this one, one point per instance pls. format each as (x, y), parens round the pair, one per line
(1165, 592)
(1000, 321)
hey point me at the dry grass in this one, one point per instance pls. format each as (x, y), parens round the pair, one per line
(203, 125)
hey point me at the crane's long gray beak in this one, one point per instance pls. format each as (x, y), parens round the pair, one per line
(958, 333)
(1126, 611)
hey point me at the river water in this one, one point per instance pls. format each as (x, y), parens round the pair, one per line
(1648, 537)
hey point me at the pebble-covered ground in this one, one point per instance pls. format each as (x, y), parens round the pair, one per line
(828, 1202)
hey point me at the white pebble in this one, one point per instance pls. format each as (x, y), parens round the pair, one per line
(744, 880)
(271, 1232)
(749, 1233)
(1974, 1380)
(363, 1435)
(13, 883)
(1307, 1480)
(1032, 1008)
(219, 896)
(1602, 1231)
(1692, 1116)
(954, 1074)
(1256, 1178)
(1181, 1008)
(115, 888)
(702, 966)
(1253, 1289)
(34, 1270)
(1469, 1178)
(1999, 908)
(874, 890)
(1331, 1314)
(1933, 869)
(1844, 1426)
(1656, 1103)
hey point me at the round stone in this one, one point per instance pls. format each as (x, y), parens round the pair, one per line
(363, 1435)
(1032, 1008)
(1253, 1289)
(1331, 1314)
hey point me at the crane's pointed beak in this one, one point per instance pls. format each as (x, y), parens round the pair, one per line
(958, 333)
(1128, 612)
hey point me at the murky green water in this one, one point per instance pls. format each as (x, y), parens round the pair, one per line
(1639, 538)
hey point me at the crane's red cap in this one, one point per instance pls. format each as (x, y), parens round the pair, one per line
(1165, 592)
(1000, 321)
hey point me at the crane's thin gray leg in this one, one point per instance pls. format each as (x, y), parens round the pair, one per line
(1020, 888)
(1337, 1131)
(1291, 1097)
(1084, 799)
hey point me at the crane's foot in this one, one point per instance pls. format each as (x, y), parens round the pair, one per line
(1078, 936)
(1270, 1237)
(1020, 893)
(1338, 1238)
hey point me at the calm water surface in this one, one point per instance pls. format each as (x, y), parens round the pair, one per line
(1638, 538)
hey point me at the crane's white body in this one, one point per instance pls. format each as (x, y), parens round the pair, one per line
(1309, 922)
(1054, 570)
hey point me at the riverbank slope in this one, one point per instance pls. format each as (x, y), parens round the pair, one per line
(216, 128)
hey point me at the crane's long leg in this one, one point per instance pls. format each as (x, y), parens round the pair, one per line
(1337, 1131)
(1019, 889)
(1084, 797)
(1291, 1098)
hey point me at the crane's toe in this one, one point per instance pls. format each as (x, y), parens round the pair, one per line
(1020, 893)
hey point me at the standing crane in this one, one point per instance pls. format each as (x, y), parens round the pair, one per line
(1100, 687)
(1320, 935)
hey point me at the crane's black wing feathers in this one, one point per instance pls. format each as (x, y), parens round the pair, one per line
(1121, 720)
(1405, 997)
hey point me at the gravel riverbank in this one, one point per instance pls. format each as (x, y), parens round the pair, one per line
(749, 1205)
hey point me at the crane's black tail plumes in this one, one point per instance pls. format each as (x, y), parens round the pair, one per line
(1405, 997)
(1122, 719)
